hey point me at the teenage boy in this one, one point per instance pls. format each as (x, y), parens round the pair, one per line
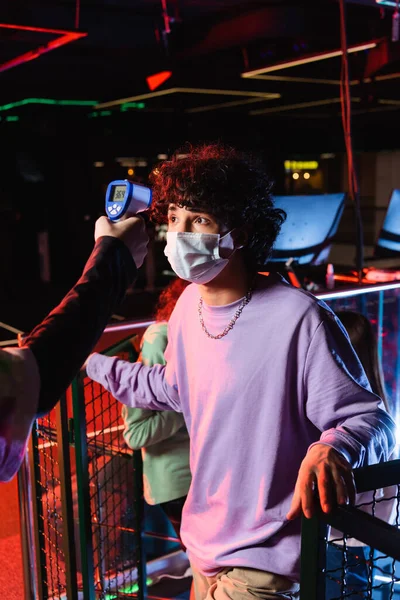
(264, 375)
(32, 378)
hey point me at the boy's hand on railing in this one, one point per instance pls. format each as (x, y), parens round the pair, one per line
(326, 470)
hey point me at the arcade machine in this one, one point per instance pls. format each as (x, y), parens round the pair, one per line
(301, 251)
(384, 265)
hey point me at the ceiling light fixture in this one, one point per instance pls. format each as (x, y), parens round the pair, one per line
(308, 59)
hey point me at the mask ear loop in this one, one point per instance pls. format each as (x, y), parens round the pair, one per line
(221, 237)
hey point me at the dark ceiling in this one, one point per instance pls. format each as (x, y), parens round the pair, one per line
(210, 45)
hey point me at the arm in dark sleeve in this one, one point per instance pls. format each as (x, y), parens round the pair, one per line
(62, 342)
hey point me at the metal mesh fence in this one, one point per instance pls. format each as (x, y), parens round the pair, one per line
(355, 570)
(339, 566)
(47, 504)
(84, 490)
(48, 507)
(109, 488)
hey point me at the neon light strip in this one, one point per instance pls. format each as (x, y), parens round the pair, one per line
(48, 101)
(387, 77)
(301, 105)
(383, 77)
(295, 106)
(38, 29)
(128, 105)
(358, 291)
(307, 59)
(375, 110)
(129, 326)
(208, 107)
(298, 79)
(381, 577)
(9, 343)
(10, 328)
(390, 102)
(65, 37)
(135, 98)
(183, 90)
(228, 92)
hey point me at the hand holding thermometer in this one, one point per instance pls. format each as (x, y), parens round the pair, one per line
(126, 198)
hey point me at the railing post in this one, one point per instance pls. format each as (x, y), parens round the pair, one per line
(26, 526)
(379, 337)
(38, 518)
(313, 559)
(396, 399)
(63, 449)
(139, 517)
(82, 472)
(139, 511)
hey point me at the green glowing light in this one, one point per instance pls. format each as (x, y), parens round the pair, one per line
(49, 102)
(11, 118)
(127, 105)
(100, 113)
(132, 589)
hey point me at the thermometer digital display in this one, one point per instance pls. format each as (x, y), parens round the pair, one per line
(126, 198)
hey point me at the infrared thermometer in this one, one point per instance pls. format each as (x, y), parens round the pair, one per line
(126, 198)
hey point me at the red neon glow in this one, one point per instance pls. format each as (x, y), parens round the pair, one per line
(154, 81)
(64, 37)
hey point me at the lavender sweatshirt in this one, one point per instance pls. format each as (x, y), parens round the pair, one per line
(254, 401)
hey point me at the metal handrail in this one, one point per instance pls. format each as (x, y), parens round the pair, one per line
(137, 325)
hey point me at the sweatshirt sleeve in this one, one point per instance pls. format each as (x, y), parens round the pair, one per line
(339, 400)
(136, 385)
(61, 343)
(144, 427)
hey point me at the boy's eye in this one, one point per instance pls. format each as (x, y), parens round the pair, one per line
(171, 218)
(201, 220)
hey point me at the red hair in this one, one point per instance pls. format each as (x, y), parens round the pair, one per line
(168, 298)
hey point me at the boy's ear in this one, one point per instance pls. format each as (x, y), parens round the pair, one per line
(240, 236)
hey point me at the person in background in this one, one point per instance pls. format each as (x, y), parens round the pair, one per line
(162, 435)
(364, 342)
(274, 398)
(33, 377)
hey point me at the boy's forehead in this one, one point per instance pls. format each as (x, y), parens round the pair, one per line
(192, 209)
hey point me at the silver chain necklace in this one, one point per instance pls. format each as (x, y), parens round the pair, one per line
(231, 323)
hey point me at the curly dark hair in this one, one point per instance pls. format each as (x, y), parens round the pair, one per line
(230, 185)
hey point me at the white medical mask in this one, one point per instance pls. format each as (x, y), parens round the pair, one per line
(195, 256)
